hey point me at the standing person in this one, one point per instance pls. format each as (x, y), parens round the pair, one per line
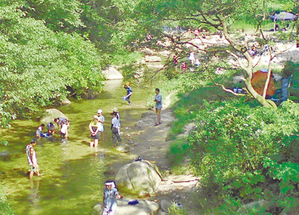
(115, 128)
(158, 100)
(110, 197)
(32, 159)
(51, 128)
(64, 125)
(192, 58)
(184, 66)
(129, 93)
(94, 128)
(196, 33)
(101, 120)
(115, 111)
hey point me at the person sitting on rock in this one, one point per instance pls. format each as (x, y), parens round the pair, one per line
(110, 197)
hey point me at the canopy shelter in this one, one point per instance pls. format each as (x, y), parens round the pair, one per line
(258, 81)
(284, 16)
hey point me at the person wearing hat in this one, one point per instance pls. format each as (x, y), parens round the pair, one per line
(110, 197)
(94, 128)
(129, 93)
(101, 120)
(32, 159)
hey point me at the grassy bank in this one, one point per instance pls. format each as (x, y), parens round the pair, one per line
(242, 151)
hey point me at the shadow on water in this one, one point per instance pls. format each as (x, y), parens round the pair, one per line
(73, 173)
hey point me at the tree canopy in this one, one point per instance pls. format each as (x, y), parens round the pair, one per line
(39, 65)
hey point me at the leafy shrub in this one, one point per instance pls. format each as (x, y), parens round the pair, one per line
(245, 150)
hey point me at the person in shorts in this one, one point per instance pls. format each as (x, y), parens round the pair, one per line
(129, 93)
(64, 125)
(101, 120)
(110, 197)
(94, 128)
(158, 100)
(32, 159)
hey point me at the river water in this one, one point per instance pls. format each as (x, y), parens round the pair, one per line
(73, 173)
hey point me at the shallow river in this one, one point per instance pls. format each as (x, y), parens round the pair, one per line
(73, 173)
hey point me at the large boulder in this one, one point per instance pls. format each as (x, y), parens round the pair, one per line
(50, 115)
(144, 207)
(112, 74)
(139, 177)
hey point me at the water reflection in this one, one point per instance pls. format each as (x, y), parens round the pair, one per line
(73, 172)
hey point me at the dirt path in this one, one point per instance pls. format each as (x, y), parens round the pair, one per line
(151, 143)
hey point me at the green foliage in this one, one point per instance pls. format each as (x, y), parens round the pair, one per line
(39, 66)
(5, 208)
(239, 148)
(5, 143)
(175, 210)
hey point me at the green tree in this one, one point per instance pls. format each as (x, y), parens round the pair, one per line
(213, 15)
(39, 66)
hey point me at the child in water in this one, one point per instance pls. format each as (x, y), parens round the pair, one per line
(129, 93)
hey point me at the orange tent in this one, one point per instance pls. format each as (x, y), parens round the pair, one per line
(258, 81)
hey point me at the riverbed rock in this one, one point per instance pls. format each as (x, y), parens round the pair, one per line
(3, 154)
(141, 177)
(165, 205)
(50, 115)
(65, 102)
(112, 74)
(144, 207)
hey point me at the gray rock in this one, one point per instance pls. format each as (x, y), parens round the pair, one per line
(65, 102)
(3, 154)
(112, 74)
(139, 177)
(50, 115)
(144, 207)
(165, 205)
(160, 212)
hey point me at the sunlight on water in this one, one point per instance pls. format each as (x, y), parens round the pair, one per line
(73, 173)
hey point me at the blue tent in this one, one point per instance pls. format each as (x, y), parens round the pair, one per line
(284, 16)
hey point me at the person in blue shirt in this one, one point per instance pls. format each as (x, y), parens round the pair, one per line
(110, 197)
(158, 100)
(129, 93)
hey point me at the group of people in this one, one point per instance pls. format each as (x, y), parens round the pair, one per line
(96, 128)
(62, 123)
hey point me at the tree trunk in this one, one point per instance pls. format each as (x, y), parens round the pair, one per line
(263, 101)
